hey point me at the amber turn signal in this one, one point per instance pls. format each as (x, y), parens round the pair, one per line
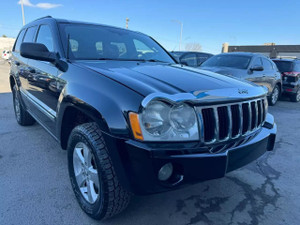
(135, 126)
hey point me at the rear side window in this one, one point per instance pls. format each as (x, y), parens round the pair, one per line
(45, 37)
(267, 64)
(19, 41)
(29, 35)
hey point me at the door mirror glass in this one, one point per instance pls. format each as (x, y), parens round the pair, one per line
(37, 51)
(257, 68)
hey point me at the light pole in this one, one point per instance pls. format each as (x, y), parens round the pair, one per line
(22, 6)
(127, 20)
(181, 27)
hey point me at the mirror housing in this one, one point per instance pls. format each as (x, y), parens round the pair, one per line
(38, 51)
(256, 68)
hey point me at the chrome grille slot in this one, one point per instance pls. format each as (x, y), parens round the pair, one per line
(228, 121)
(236, 123)
(209, 124)
(223, 122)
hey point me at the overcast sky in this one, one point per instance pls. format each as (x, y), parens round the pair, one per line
(209, 23)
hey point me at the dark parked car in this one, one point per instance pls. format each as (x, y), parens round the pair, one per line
(248, 66)
(290, 71)
(193, 59)
(131, 119)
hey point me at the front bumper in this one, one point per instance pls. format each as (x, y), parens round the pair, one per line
(137, 164)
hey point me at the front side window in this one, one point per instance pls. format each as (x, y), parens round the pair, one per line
(267, 64)
(95, 42)
(233, 61)
(45, 37)
(257, 62)
(18, 42)
(29, 35)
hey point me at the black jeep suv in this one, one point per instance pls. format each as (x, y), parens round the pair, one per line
(131, 119)
(290, 72)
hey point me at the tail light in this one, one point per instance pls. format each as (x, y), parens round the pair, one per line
(292, 74)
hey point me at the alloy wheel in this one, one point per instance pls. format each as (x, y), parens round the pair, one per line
(275, 95)
(86, 173)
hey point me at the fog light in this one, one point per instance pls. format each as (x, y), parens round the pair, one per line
(165, 172)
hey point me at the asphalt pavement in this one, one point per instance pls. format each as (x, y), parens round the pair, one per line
(35, 187)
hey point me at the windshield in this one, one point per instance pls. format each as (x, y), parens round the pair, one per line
(95, 42)
(284, 66)
(234, 61)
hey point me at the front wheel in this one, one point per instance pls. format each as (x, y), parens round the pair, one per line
(92, 174)
(296, 97)
(275, 95)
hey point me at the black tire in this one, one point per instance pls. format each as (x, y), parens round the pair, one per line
(112, 197)
(295, 97)
(22, 116)
(275, 95)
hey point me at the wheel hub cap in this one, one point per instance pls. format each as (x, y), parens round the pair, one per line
(86, 173)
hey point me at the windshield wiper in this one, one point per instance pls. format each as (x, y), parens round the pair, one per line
(139, 60)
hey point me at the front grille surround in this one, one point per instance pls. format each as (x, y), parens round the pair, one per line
(240, 119)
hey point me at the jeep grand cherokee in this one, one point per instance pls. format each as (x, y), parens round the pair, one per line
(131, 119)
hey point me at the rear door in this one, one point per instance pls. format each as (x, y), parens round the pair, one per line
(18, 63)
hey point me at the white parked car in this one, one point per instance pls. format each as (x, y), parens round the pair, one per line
(6, 54)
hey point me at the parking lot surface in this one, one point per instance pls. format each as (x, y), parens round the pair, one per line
(35, 187)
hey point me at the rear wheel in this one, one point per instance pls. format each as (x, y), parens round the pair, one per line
(296, 97)
(275, 95)
(92, 174)
(22, 116)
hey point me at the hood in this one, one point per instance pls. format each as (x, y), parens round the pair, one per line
(151, 77)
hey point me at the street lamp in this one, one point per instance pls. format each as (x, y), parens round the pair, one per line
(181, 26)
(22, 6)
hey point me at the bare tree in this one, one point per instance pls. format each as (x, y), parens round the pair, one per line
(193, 47)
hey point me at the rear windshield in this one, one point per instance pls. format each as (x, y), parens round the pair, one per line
(284, 66)
(234, 61)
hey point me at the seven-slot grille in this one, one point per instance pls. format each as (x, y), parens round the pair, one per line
(223, 122)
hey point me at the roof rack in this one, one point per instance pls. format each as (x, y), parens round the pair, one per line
(44, 17)
(287, 57)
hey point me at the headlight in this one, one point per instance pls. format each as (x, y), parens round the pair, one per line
(160, 121)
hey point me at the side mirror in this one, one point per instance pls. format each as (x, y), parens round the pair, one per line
(40, 52)
(257, 68)
(37, 51)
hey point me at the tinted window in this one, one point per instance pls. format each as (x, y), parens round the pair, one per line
(257, 62)
(45, 37)
(29, 35)
(267, 65)
(99, 42)
(297, 67)
(234, 61)
(202, 57)
(190, 59)
(284, 66)
(19, 41)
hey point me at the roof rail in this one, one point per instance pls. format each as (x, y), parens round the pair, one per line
(287, 57)
(44, 17)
